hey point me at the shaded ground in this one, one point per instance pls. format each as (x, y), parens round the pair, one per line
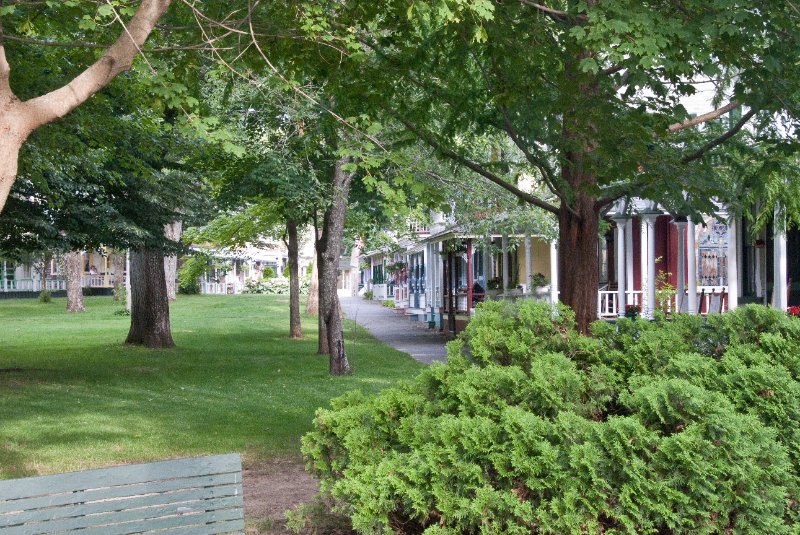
(390, 327)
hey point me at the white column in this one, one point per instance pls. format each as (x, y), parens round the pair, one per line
(487, 264)
(619, 241)
(5, 276)
(691, 263)
(528, 274)
(643, 265)
(128, 296)
(650, 221)
(505, 263)
(733, 264)
(490, 259)
(629, 289)
(554, 272)
(779, 297)
(681, 286)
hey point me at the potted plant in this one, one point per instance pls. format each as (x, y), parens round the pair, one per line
(494, 287)
(632, 311)
(539, 284)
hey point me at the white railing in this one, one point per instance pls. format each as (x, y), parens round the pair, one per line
(607, 302)
(54, 285)
(221, 288)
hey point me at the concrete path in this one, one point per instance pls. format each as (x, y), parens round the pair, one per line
(394, 329)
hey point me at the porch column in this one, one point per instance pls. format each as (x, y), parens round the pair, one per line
(505, 263)
(469, 276)
(779, 297)
(629, 289)
(554, 272)
(733, 264)
(643, 265)
(680, 290)
(128, 296)
(619, 241)
(487, 261)
(5, 276)
(528, 274)
(650, 221)
(691, 261)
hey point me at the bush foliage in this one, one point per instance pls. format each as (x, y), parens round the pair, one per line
(684, 426)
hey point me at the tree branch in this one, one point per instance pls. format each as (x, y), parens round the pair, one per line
(118, 58)
(90, 45)
(527, 197)
(721, 139)
(732, 105)
(554, 14)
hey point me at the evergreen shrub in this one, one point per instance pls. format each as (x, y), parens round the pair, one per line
(681, 426)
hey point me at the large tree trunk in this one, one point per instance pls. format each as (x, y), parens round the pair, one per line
(578, 222)
(73, 268)
(118, 266)
(172, 232)
(330, 249)
(293, 246)
(150, 305)
(578, 269)
(18, 119)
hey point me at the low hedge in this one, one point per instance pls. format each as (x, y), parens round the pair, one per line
(681, 426)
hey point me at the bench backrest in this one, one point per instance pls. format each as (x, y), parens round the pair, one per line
(197, 496)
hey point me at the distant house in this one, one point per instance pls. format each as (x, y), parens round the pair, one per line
(650, 260)
(45, 273)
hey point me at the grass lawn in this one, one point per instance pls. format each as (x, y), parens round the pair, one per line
(72, 396)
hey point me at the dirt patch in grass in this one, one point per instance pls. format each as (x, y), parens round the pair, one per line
(272, 487)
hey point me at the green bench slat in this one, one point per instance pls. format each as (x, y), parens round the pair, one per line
(186, 498)
(189, 496)
(119, 475)
(228, 526)
(150, 518)
(83, 496)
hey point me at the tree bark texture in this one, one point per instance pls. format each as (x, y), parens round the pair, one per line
(118, 265)
(578, 266)
(312, 304)
(293, 245)
(322, 343)
(73, 269)
(172, 232)
(18, 119)
(329, 247)
(578, 221)
(149, 305)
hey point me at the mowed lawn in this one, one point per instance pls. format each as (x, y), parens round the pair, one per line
(72, 396)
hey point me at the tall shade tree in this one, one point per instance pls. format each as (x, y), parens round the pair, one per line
(589, 93)
(18, 119)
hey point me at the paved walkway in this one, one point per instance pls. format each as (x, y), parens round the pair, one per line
(390, 327)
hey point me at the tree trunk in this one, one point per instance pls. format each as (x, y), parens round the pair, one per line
(578, 222)
(150, 305)
(355, 258)
(18, 119)
(578, 266)
(172, 232)
(73, 268)
(293, 246)
(312, 304)
(322, 342)
(118, 266)
(330, 249)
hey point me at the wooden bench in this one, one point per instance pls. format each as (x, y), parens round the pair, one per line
(197, 496)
